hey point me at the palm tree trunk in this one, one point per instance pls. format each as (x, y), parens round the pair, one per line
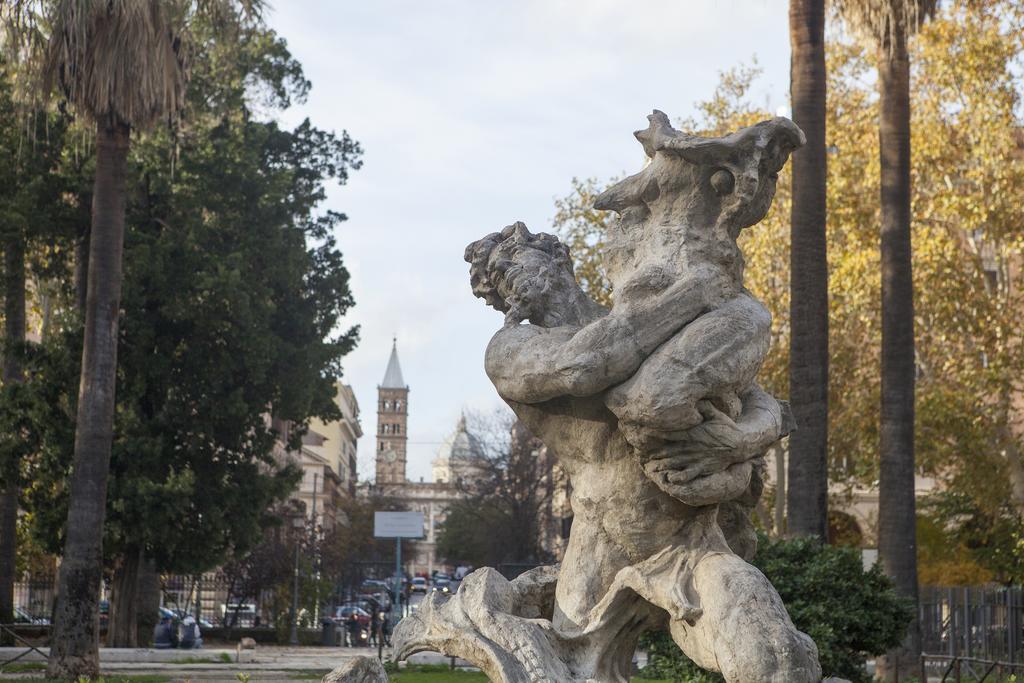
(75, 649)
(81, 274)
(897, 537)
(14, 337)
(779, 517)
(808, 348)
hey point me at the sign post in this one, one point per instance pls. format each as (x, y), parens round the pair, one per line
(398, 525)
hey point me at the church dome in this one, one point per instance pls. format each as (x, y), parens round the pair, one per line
(459, 450)
(460, 445)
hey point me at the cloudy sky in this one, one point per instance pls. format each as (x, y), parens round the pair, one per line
(474, 114)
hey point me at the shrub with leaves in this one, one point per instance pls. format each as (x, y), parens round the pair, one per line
(850, 613)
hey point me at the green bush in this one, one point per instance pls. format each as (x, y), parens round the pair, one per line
(850, 613)
(666, 661)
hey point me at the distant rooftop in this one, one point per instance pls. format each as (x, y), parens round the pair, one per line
(393, 375)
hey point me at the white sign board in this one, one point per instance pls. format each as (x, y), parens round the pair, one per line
(398, 524)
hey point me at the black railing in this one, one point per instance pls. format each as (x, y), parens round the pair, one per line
(949, 669)
(966, 623)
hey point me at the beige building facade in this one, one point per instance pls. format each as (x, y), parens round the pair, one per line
(327, 457)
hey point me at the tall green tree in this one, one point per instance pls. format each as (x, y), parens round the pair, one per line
(12, 234)
(121, 64)
(807, 493)
(888, 24)
(32, 215)
(234, 291)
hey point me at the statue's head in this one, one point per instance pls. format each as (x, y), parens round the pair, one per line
(525, 275)
(732, 177)
(711, 188)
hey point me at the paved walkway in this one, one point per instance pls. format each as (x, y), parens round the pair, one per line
(265, 663)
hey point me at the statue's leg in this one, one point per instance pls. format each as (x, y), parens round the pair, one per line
(744, 631)
(714, 357)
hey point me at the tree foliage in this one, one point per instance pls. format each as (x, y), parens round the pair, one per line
(233, 295)
(504, 501)
(968, 176)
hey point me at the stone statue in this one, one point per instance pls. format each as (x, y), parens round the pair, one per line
(653, 410)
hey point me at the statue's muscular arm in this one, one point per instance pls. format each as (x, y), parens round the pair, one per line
(531, 364)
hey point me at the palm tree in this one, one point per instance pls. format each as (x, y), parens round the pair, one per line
(807, 495)
(118, 62)
(121, 64)
(888, 24)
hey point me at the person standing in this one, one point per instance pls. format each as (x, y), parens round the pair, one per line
(385, 627)
(352, 624)
(374, 628)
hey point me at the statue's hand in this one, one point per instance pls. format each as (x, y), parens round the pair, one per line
(711, 462)
(707, 489)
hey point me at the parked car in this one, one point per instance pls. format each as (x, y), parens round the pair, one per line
(23, 616)
(374, 603)
(419, 585)
(342, 613)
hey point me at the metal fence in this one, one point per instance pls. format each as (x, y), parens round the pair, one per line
(33, 598)
(980, 623)
(222, 600)
(983, 622)
(216, 598)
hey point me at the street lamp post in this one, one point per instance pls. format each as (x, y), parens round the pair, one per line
(396, 607)
(293, 639)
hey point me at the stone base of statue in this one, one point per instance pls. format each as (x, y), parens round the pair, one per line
(505, 628)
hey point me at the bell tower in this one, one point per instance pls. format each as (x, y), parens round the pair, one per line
(392, 419)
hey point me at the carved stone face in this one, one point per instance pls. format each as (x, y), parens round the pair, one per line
(532, 282)
(525, 275)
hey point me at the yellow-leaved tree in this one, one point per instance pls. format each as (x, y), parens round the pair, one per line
(968, 242)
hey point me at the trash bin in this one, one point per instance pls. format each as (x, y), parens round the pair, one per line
(330, 633)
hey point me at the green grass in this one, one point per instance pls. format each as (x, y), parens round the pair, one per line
(438, 677)
(440, 673)
(460, 677)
